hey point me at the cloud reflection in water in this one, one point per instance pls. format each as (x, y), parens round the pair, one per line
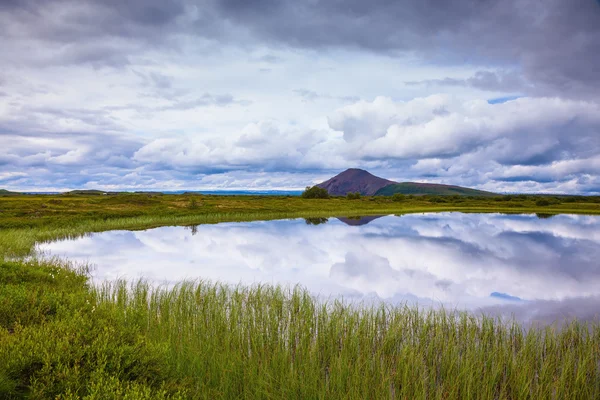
(536, 269)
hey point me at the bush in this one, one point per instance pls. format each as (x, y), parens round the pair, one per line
(316, 221)
(398, 197)
(353, 196)
(193, 204)
(437, 199)
(315, 192)
(548, 201)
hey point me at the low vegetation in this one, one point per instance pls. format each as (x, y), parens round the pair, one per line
(63, 338)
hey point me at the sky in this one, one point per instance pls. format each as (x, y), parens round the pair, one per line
(280, 94)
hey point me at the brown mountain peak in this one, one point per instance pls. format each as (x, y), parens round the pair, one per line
(354, 180)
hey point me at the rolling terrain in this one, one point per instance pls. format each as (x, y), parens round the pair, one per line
(417, 188)
(4, 192)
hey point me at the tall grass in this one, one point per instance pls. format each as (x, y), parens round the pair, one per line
(268, 341)
(207, 340)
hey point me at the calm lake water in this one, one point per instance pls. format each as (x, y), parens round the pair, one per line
(534, 267)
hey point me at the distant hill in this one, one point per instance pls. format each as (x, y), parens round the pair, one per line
(354, 180)
(431, 189)
(87, 192)
(4, 192)
(358, 180)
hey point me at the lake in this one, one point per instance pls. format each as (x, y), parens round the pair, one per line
(535, 267)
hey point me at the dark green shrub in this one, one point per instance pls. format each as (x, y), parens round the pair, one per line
(437, 199)
(193, 204)
(398, 197)
(353, 196)
(542, 202)
(316, 221)
(315, 192)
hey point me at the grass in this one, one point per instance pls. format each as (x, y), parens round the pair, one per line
(62, 338)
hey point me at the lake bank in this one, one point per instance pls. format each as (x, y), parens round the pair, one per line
(27, 219)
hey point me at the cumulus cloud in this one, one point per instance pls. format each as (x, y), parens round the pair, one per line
(267, 145)
(527, 144)
(439, 126)
(537, 139)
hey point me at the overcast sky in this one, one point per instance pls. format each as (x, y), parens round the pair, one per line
(280, 94)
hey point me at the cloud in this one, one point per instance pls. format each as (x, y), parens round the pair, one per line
(545, 312)
(497, 81)
(549, 45)
(311, 95)
(267, 145)
(539, 139)
(527, 144)
(548, 41)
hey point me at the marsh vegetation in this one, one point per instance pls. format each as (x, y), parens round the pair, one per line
(62, 337)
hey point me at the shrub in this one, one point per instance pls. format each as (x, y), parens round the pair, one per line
(353, 196)
(398, 197)
(437, 199)
(316, 221)
(315, 192)
(193, 204)
(542, 202)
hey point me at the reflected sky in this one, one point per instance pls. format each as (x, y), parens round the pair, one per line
(535, 268)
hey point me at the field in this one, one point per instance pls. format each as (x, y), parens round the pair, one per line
(61, 337)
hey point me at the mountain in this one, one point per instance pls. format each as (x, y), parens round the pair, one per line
(354, 180)
(429, 188)
(358, 180)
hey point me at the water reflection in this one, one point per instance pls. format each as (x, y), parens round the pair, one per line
(316, 221)
(536, 269)
(544, 216)
(358, 221)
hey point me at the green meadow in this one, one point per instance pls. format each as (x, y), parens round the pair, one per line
(63, 338)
